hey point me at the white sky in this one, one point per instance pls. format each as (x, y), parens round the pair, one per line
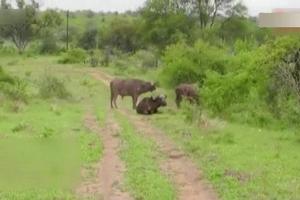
(255, 6)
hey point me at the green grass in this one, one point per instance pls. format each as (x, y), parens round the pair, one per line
(44, 141)
(242, 162)
(143, 176)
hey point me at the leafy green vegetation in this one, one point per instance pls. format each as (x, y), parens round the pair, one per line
(73, 56)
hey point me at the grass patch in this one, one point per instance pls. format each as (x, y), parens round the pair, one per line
(143, 176)
(38, 163)
(39, 132)
(242, 162)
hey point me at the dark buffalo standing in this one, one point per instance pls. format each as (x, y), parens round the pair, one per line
(150, 105)
(131, 87)
(187, 91)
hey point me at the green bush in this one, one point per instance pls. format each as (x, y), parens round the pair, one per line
(249, 91)
(14, 88)
(52, 87)
(73, 56)
(188, 64)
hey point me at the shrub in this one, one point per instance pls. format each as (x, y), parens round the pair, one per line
(52, 87)
(12, 87)
(16, 91)
(73, 56)
(259, 86)
(188, 64)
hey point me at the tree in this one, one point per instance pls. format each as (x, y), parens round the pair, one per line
(49, 22)
(51, 19)
(166, 22)
(89, 39)
(236, 25)
(20, 4)
(5, 5)
(205, 10)
(122, 33)
(20, 25)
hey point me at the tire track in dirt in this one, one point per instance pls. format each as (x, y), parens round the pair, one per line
(107, 185)
(183, 172)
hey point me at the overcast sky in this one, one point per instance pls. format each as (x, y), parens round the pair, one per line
(255, 6)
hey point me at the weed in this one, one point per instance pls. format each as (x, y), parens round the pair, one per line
(47, 133)
(20, 127)
(51, 87)
(17, 91)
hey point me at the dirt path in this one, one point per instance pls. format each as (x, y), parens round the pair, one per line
(183, 172)
(107, 184)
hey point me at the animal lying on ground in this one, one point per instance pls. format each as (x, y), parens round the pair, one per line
(187, 91)
(130, 87)
(150, 105)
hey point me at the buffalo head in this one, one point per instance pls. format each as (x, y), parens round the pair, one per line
(147, 87)
(160, 100)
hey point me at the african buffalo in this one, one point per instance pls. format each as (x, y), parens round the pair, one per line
(130, 87)
(150, 105)
(188, 91)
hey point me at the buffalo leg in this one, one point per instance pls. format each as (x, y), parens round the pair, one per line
(178, 100)
(115, 101)
(111, 101)
(134, 101)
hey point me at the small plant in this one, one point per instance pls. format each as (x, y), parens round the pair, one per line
(19, 127)
(47, 133)
(16, 91)
(51, 86)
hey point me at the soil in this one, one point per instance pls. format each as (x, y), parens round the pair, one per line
(107, 184)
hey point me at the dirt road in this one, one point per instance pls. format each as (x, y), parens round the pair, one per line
(183, 172)
(107, 184)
